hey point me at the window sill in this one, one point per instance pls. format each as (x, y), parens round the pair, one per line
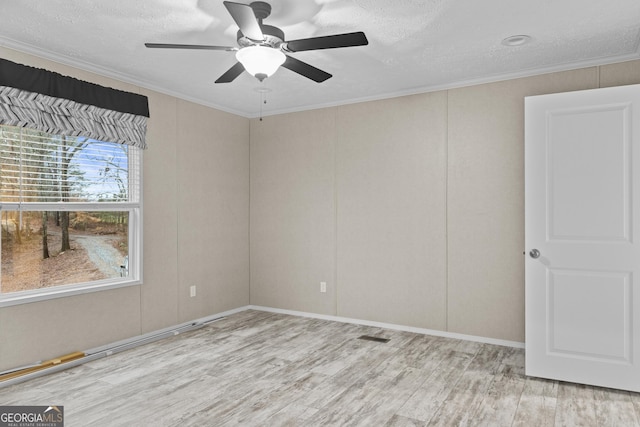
(27, 297)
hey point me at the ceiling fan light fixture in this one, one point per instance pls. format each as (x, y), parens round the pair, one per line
(260, 61)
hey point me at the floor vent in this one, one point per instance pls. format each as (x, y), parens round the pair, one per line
(376, 339)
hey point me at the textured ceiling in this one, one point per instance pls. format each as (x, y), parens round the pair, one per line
(414, 45)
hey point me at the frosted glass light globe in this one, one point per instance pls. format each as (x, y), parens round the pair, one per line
(261, 61)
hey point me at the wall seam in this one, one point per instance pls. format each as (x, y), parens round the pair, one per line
(335, 211)
(446, 214)
(249, 218)
(177, 242)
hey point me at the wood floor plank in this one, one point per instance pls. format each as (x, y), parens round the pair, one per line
(466, 397)
(614, 408)
(635, 399)
(367, 402)
(256, 368)
(384, 406)
(426, 401)
(575, 405)
(537, 403)
(501, 401)
(369, 358)
(400, 421)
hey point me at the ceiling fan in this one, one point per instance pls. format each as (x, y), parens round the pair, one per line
(263, 48)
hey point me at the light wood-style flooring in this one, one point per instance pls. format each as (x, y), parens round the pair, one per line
(263, 369)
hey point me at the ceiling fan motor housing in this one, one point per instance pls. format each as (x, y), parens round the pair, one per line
(273, 37)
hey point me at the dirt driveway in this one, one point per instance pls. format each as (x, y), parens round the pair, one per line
(101, 253)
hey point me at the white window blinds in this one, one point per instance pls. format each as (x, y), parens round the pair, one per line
(39, 168)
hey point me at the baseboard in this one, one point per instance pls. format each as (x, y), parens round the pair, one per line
(484, 340)
(118, 346)
(29, 371)
(171, 330)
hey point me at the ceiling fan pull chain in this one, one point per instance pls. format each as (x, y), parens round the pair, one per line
(263, 100)
(264, 90)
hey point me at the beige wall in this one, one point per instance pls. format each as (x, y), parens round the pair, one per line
(196, 222)
(213, 211)
(390, 188)
(293, 211)
(421, 207)
(486, 201)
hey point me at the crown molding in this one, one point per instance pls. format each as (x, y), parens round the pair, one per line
(127, 78)
(466, 83)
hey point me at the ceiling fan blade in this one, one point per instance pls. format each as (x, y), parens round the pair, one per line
(306, 70)
(246, 19)
(189, 46)
(231, 74)
(327, 42)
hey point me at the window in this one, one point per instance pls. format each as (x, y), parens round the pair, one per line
(70, 215)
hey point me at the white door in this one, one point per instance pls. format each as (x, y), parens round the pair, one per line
(582, 236)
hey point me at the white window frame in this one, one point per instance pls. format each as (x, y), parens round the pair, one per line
(134, 277)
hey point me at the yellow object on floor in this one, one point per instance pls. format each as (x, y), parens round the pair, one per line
(43, 365)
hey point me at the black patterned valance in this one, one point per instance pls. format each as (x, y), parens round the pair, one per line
(52, 103)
